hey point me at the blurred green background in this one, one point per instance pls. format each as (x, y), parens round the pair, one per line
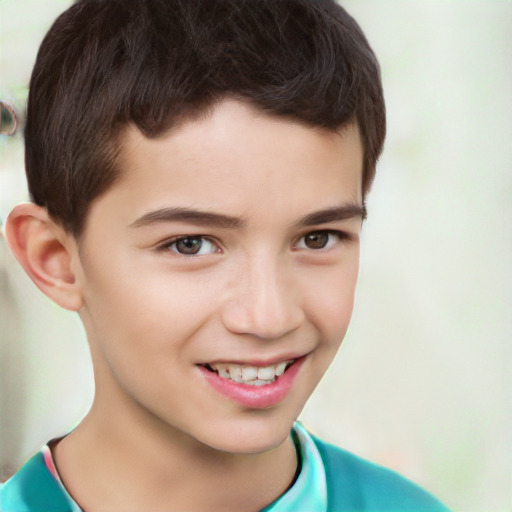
(422, 382)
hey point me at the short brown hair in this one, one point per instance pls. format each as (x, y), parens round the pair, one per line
(107, 63)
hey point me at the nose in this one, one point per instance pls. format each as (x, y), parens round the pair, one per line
(263, 302)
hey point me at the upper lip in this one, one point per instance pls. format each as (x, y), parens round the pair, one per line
(260, 362)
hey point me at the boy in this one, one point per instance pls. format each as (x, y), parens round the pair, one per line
(198, 170)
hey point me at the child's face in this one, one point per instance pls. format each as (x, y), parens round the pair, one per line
(234, 239)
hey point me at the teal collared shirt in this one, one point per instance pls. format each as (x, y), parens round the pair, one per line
(37, 486)
(309, 491)
(330, 480)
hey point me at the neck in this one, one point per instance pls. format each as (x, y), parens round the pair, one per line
(126, 459)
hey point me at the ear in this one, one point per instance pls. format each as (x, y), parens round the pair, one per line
(46, 252)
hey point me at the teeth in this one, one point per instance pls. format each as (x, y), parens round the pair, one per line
(266, 373)
(280, 368)
(256, 376)
(235, 373)
(249, 373)
(259, 382)
(224, 372)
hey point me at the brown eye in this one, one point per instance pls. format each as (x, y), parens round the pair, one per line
(191, 246)
(317, 240)
(188, 245)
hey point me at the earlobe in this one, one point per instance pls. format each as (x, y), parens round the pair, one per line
(46, 252)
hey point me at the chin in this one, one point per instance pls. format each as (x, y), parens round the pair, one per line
(248, 437)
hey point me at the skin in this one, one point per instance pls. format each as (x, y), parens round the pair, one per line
(258, 290)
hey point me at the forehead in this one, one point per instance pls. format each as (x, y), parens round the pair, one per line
(239, 159)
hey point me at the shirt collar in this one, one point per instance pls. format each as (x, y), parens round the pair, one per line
(309, 492)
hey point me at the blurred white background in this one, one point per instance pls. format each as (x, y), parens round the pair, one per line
(422, 382)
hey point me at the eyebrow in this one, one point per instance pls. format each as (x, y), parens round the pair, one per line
(334, 214)
(202, 218)
(191, 216)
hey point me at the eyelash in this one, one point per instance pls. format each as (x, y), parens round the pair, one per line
(167, 245)
(341, 236)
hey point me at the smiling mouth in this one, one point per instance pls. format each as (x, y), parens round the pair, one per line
(251, 375)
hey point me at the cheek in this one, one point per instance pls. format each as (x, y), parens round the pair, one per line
(331, 301)
(147, 308)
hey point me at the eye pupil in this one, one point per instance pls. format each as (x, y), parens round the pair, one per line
(189, 245)
(316, 240)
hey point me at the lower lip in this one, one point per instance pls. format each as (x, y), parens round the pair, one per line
(255, 397)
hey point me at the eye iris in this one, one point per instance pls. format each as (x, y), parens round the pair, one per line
(316, 240)
(189, 245)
